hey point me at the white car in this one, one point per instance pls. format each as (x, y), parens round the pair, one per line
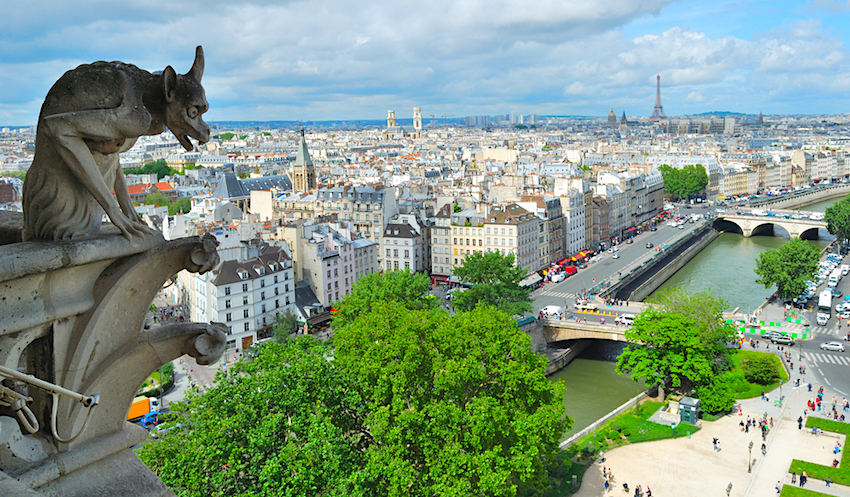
(557, 278)
(625, 319)
(551, 310)
(842, 307)
(615, 256)
(836, 346)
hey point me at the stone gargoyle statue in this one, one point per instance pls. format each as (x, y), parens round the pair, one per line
(90, 115)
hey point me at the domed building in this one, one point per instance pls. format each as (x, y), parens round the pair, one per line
(612, 118)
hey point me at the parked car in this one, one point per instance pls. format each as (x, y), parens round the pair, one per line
(649, 245)
(836, 346)
(615, 256)
(551, 310)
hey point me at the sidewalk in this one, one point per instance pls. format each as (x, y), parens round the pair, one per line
(680, 467)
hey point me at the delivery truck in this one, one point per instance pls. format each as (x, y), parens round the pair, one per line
(142, 406)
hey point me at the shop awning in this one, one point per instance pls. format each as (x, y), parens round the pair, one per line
(531, 279)
(321, 318)
(632, 228)
(564, 261)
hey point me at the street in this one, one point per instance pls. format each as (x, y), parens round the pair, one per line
(631, 256)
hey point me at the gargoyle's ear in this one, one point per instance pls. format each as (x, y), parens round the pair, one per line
(169, 83)
(197, 70)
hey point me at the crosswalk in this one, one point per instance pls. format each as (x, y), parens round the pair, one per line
(818, 357)
(563, 295)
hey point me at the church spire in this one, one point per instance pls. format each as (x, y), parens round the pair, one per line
(303, 175)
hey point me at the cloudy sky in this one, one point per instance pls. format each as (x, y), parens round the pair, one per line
(338, 59)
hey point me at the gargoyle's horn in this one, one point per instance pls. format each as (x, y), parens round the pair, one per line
(197, 70)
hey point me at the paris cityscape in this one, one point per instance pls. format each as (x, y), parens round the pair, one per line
(459, 249)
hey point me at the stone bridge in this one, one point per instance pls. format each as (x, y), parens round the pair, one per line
(763, 225)
(555, 330)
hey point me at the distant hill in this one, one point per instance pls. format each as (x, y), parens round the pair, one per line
(723, 113)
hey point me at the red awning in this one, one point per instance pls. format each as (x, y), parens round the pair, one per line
(632, 228)
(563, 261)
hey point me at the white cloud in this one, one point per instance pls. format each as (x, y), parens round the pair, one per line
(339, 59)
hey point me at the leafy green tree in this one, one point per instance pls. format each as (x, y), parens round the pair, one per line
(180, 206)
(456, 208)
(287, 423)
(666, 349)
(716, 395)
(788, 267)
(706, 312)
(157, 199)
(458, 405)
(495, 279)
(158, 166)
(685, 182)
(226, 136)
(285, 324)
(837, 217)
(401, 287)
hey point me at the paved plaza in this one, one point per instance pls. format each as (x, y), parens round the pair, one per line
(692, 467)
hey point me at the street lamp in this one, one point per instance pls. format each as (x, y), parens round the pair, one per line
(750, 459)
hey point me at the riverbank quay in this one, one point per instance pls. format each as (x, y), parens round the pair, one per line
(694, 466)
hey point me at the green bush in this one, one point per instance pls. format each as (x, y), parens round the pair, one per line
(616, 428)
(759, 369)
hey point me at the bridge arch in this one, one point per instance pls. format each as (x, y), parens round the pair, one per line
(726, 226)
(809, 234)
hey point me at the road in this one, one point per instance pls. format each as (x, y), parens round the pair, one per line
(631, 255)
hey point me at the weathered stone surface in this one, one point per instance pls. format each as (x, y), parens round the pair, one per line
(90, 115)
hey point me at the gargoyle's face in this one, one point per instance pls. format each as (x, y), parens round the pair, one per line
(183, 112)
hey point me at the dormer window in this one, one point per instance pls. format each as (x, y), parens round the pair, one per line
(243, 275)
(261, 270)
(273, 266)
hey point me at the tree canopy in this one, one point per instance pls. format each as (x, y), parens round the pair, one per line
(158, 166)
(837, 217)
(685, 182)
(157, 199)
(678, 339)
(495, 281)
(403, 287)
(415, 402)
(788, 267)
(285, 323)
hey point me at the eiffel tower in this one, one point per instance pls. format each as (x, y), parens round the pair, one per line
(658, 110)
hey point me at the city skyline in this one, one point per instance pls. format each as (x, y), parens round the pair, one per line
(338, 61)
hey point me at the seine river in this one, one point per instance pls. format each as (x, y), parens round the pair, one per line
(724, 268)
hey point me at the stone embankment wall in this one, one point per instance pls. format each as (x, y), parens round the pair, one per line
(562, 357)
(644, 279)
(670, 267)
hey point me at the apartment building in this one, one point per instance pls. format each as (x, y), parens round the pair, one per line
(441, 246)
(253, 283)
(406, 244)
(550, 243)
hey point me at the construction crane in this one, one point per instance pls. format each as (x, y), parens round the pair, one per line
(432, 119)
(445, 118)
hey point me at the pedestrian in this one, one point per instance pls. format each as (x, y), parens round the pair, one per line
(648, 492)
(606, 485)
(714, 443)
(763, 449)
(604, 472)
(828, 481)
(793, 477)
(778, 487)
(800, 423)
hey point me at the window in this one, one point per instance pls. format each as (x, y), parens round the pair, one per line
(245, 300)
(488, 238)
(264, 310)
(329, 286)
(455, 241)
(247, 326)
(336, 284)
(329, 273)
(388, 252)
(336, 296)
(336, 272)
(227, 290)
(227, 304)
(276, 303)
(277, 290)
(262, 295)
(407, 253)
(228, 317)
(275, 278)
(286, 287)
(262, 283)
(244, 287)
(245, 313)
(395, 252)
(346, 281)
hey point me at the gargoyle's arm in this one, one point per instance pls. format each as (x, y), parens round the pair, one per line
(123, 197)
